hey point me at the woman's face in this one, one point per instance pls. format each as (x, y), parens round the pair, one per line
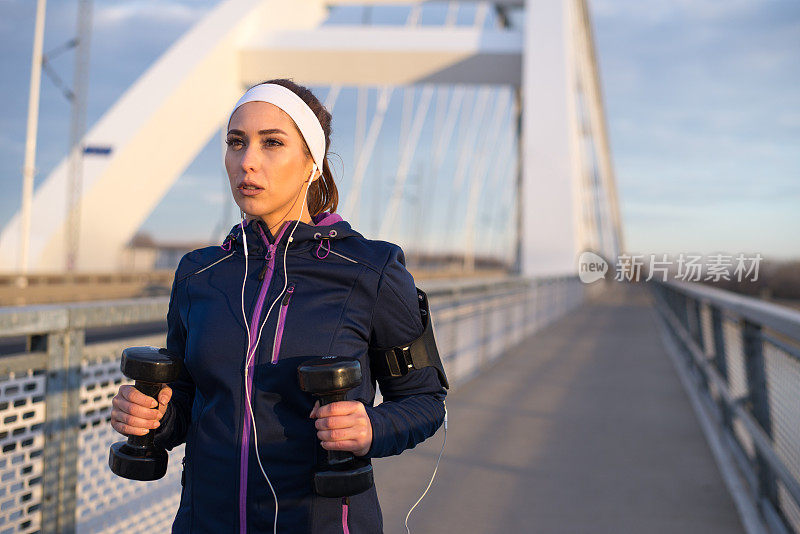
(267, 164)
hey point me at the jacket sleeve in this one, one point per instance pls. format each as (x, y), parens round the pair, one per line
(413, 405)
(177, 418)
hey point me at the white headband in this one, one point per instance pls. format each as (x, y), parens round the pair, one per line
(293, 105)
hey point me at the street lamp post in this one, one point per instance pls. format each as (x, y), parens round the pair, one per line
(29, 167)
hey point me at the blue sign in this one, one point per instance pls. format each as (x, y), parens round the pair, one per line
(97, 150)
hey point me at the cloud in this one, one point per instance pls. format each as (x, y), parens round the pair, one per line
(657, 11)
(120, 13)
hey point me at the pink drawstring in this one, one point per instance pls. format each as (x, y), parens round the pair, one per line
(320, 248)
(345, 528)
(226, 245)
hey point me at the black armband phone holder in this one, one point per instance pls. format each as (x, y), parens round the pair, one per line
(420, 353)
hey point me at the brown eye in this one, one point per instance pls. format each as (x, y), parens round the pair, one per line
(234, 142)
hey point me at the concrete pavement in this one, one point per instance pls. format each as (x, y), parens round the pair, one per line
(583, 428)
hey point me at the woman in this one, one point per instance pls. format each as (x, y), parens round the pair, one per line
(284, 287)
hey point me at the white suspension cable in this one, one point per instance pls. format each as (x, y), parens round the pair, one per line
(405, 160)
(366, 153)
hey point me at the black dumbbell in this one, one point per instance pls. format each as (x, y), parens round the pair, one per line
(139, 458)
(329, 379)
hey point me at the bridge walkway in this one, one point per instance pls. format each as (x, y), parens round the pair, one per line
(583, 428)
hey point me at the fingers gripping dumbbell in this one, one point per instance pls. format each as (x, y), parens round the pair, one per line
(138, 458)
(329, 379)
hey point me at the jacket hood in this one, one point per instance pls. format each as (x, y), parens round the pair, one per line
(325, 226)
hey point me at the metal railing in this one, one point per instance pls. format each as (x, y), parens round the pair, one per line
(55, 396)
(745, 356)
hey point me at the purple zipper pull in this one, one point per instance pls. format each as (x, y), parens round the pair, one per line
(267, 258)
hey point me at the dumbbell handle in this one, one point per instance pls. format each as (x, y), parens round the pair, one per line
(335, 457)
(150, 389)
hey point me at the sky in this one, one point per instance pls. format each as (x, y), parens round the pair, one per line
(704, 117)
(701, 100)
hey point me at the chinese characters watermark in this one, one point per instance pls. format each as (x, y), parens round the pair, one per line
(663, 267)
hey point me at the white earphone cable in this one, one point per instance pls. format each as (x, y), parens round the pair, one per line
(435, 469)
(251, 353)
(244, 316)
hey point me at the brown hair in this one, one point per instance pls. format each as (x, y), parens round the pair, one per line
(322, 193)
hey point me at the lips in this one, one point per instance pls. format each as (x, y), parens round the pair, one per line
(249, 189)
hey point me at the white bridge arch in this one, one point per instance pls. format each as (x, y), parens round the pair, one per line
(567, 199)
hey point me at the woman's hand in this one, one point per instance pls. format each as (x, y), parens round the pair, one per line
(134, 414)
(343, 426)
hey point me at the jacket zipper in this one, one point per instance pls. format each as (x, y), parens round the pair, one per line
(276, 345)
(254, 324)
(345, 510)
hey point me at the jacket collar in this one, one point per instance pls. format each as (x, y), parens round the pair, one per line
(325, 226)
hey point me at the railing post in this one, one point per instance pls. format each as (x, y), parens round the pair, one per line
(674, 302)
(697, 324)
(683, 317)
(753, 345)
(684, 309)
(699, 337)
(62, 427)
(720, 360)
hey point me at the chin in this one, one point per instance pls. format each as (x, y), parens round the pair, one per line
(251, 208)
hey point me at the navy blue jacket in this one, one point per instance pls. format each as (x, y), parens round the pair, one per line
(344, 293)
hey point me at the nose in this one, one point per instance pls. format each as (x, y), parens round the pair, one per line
(250, 159)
